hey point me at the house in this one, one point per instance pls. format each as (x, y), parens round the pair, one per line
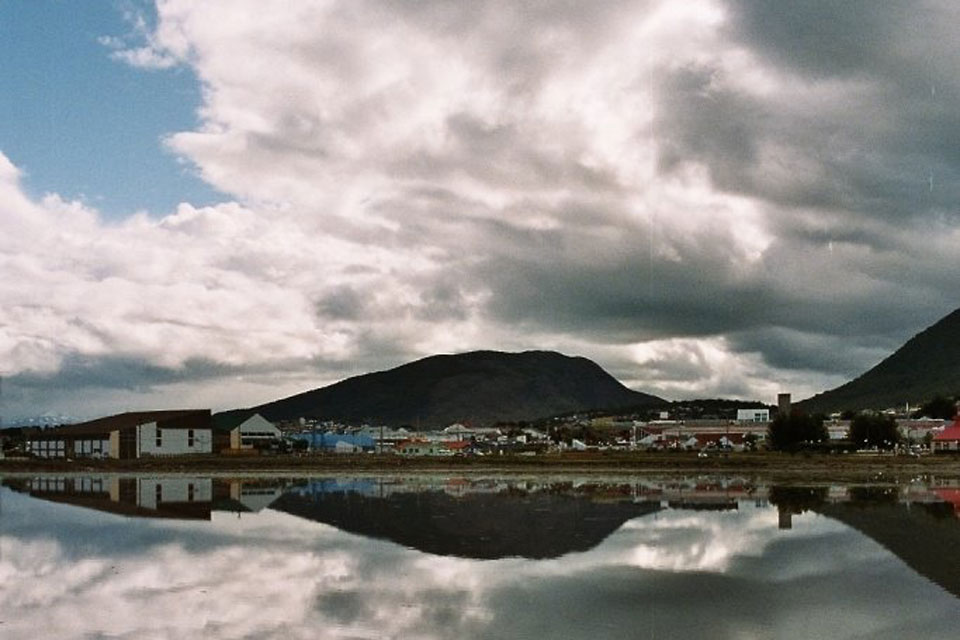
(345, 446)
(458, 447)
(948, 439)
(458, 431)
(127, 435)
(419, 447)
(753, 415)
(247, 431)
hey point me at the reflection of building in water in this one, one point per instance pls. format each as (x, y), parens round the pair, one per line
(154, 497)
(950, 496)
(250, 495)
(127, 435)
(182, 498)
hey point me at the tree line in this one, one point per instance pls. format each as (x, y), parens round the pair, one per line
(797, 431)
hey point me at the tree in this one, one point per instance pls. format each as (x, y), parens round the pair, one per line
(939, 407)
(793, 431)
(873, 430)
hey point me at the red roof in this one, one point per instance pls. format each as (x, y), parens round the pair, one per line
(950, 433)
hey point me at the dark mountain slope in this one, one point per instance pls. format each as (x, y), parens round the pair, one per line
(928, 364)
(483, 527)
(481, 387)
(925, 536)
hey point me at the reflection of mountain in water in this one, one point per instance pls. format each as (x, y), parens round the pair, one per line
(484, 526)
(926, 536)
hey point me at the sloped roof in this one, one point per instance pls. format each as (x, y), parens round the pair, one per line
(230, 420)
(172, 419)
(950, 433)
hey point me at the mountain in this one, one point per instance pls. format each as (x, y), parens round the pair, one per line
(481, 387)
(484, 527)
(927, 365)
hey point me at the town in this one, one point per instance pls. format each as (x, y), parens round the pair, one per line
(178, 433)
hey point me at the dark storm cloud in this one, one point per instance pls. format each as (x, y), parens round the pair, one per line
(848, 355)
(344, 303)
(625, 293)
(118, 372)
(822, 39)
(865, 121)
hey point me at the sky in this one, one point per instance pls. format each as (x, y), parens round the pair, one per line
(217, 205)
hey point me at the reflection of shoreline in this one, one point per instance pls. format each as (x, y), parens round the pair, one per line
(782, 467)
(159, 493)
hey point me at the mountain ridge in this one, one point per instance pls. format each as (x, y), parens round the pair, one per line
(479, 387)
(926, 365)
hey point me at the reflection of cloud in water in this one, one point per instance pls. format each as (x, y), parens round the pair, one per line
(724, 542)
(269, 575)
(681, 541)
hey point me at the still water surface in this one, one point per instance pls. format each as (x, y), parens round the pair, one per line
(444, 557)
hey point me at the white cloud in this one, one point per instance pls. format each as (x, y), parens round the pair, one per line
(144, 58)
(417, 177)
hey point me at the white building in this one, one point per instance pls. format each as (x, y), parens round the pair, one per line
(247, 431)
(753, 415)
(127, 435)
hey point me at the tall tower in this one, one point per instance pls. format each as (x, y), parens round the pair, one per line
(783, 404)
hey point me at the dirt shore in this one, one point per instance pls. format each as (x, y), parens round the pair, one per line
(842, 467)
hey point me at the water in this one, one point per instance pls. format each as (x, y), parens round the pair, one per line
(445, 557)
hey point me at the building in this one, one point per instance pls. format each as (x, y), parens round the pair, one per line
(948, 439)
(753, 415)
(423, 447)
(336, 442)
(458, 431)
(247, 431)
(127, 435)
(784, 404)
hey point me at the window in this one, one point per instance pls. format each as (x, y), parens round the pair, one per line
(190, 439)
(159, 492)
(190, 492)
(159, 441)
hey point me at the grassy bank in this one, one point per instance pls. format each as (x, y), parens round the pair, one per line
(766, 463)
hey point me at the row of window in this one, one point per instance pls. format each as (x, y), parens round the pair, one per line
(191, 439)
(91, 447)
(47, 448)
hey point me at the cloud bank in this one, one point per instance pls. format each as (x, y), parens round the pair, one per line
(708, 198)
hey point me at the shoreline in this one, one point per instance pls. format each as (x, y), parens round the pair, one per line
(768, 464)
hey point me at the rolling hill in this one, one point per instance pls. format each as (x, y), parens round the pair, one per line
(480, 387)
(927, 365)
